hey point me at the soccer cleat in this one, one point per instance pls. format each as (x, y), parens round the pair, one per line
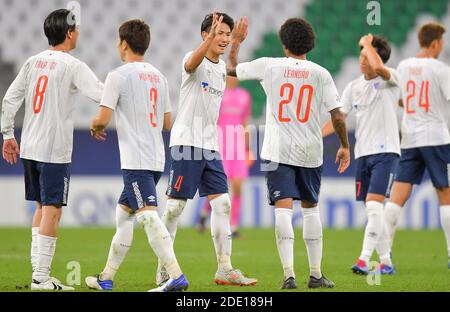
(94, 282)
(289, 283)
(234, 277)
(50, 284)
(360, 267)
(161, 276)
(387, 269)
(173, 285)
(322, 282)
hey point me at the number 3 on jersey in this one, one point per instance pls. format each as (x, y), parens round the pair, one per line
(289, 87)
(39, 95)
(153, 100)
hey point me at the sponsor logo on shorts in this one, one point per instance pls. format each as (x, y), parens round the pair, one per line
(138, 195)
(277, 194)
(151, 199)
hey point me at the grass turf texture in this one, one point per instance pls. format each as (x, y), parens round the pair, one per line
(420, 257)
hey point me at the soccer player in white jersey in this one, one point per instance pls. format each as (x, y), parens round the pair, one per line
(47, 83)
(296, 90)
(195, 160)
(139, 95)
(424, 82)
(374, 97)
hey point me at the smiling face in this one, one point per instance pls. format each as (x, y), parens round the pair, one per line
(221, 40)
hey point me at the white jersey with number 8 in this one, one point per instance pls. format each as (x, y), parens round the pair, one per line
(297, 91)
(425, 85)
(48, 83)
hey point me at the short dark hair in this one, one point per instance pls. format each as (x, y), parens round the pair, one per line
(430, 32)
(57, 25)
(382, 47)
(297, 35)
(137, 34)
(207, 22)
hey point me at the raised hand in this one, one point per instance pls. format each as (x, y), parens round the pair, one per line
(240, 30)
(366, 40)
(216, 22)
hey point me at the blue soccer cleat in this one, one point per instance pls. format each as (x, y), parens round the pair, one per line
(173, 285)
(387, 269)
(360, 267)
(94, 282)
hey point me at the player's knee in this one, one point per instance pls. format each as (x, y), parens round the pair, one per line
(174, 208)
(222, 205)
(444, 195)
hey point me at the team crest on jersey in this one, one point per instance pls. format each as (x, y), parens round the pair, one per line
(205, 86)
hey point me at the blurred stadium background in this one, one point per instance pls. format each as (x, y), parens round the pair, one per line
(96, 181)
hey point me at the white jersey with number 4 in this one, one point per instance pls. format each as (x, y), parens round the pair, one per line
(48, 83)
(200, 98)
(374, 102)
(297, 91)
(139, 94)
(425, 85)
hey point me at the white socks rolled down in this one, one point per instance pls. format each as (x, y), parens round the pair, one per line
(46, 251)
(391, 214)
(312, 235)
(174, 208)
(120, 244)
(160, 240)
(34, 247)
(284, 234)
(221, 231)
(374, 229)
(445, 223)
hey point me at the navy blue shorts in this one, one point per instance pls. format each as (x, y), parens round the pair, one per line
(375, 174)
(436, 159)
(46, 183)
(139, 189)
(298, 183)
(193, 169)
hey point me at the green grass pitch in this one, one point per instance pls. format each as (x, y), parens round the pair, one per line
(420, 257)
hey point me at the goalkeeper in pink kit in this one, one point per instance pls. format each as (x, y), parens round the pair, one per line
(235, 112)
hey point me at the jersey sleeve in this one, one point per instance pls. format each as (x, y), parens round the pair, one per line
(199, 68)
(167, 104)
(111, 93)
(12, 101)
(346, 100)
(254, 70)
(394, 81)
(444, 81)
(87, 82)
(330, 95)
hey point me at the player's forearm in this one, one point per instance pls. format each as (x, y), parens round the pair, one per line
(376, 63)
(233, 59)
(338, 120)
(198, 56)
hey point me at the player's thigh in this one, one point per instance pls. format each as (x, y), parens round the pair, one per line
(362, 178)
(383, 170)
(139, 189)
(54, 183)
(185, 175)
(281, 185)
(214, 180)
(32, 186)
(308, 181)
(437, 161)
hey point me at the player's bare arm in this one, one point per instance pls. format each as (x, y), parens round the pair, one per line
(343, 154)
(373, 58)
(237, 37)
(167, 126)
(100, 122)
(199, 54)
(328, 128)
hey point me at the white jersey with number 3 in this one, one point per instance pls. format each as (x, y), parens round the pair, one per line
(139, 94)
(48, 83)
(297, 91)
(425, 85)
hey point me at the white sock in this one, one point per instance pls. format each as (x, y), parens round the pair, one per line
(120, 244)
(391, 214)
(174, 208)
(445, 223)
(221, 231)
(312, 235)
(383, 247)
(160, 241)
(46, 251)
(284, 234)
(34, 247)
(374, 229)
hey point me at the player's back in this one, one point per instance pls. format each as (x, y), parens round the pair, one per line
(425, 94)
(49, 81)
(297, 91)
(143, 101)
